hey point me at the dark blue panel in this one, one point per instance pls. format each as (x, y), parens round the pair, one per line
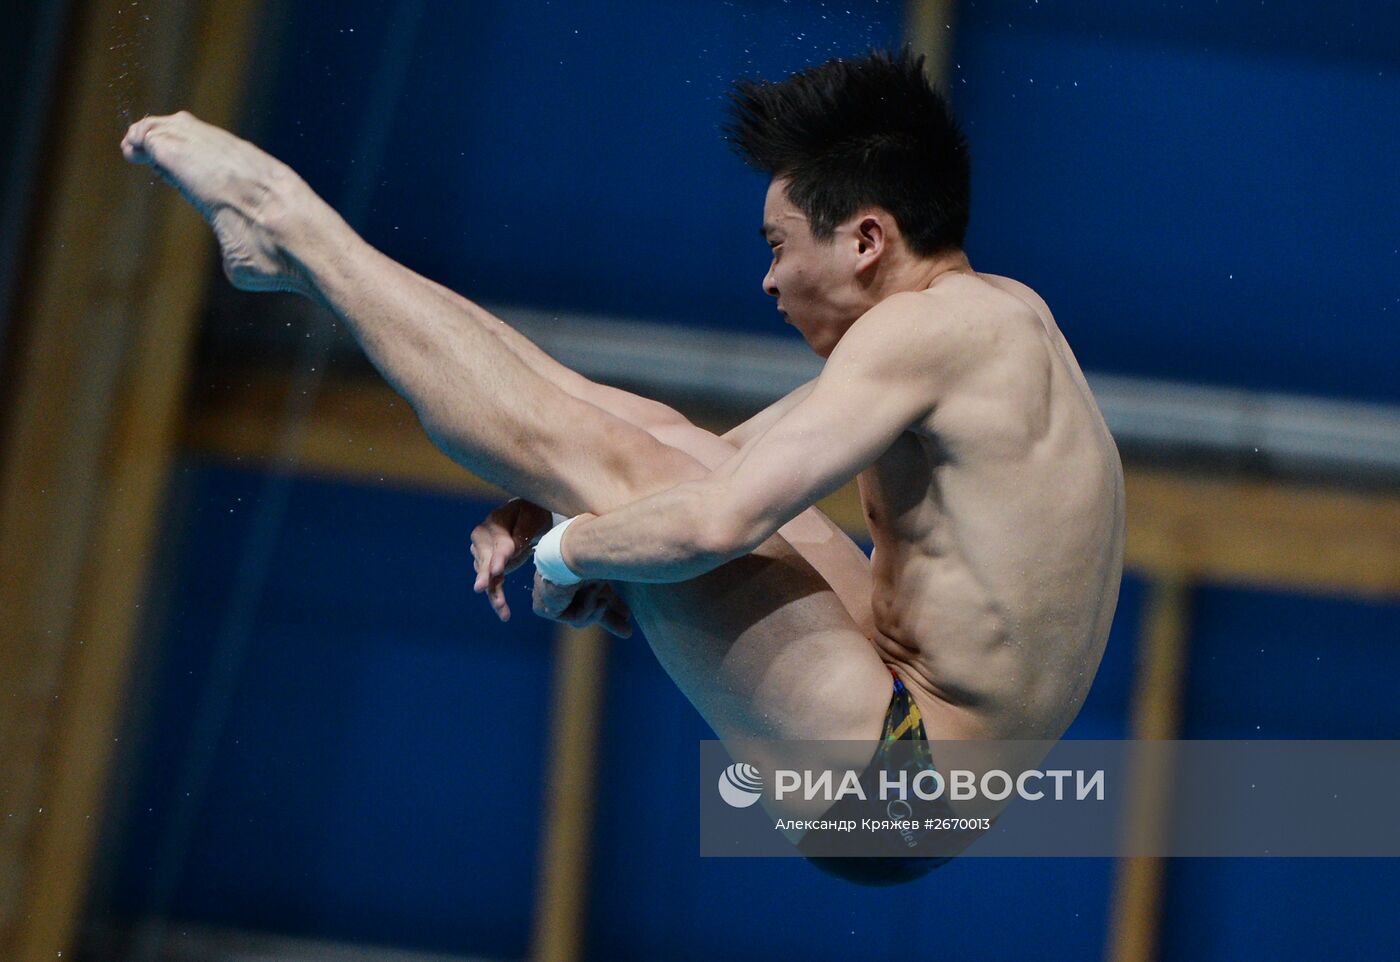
(577, 161)
(1293, 910)
(378, 776)
(1352, 31)
(1265, 664)
(1224, 216)
(565, 155)
(1105, 711)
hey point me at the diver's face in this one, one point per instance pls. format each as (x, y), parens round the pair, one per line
(814, 280)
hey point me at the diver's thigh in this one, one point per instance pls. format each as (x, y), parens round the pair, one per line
(765, 648)
(837, 559)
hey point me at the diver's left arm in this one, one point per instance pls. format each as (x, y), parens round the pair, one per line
(884, 376)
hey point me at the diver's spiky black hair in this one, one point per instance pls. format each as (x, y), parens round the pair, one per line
(848, 134)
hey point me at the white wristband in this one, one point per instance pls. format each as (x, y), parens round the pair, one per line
(549, 560)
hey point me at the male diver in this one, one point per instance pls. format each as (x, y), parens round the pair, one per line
(991, 485)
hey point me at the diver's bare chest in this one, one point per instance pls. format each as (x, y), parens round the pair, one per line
(894, 490)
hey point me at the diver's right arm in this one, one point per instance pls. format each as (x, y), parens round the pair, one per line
(772, 414)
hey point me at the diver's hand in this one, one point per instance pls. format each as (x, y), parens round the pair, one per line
(501, 543)
(583, 604)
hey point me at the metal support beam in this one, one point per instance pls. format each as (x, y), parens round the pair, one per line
(577, 708)
(1302, 537)
(1136, 911)
(1219, 429)
(1309, 537)
(928, 30)
(119, 274)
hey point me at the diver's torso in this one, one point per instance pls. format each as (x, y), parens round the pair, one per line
(998, 533)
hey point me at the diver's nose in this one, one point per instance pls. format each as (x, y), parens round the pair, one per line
(770, 286)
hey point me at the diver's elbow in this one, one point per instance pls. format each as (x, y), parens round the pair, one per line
(723, 535)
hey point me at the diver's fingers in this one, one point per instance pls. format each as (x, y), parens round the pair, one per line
(549, 599)
(497, 596)
(503, 551)
(481, 545)
(583, 605)
(616, 619)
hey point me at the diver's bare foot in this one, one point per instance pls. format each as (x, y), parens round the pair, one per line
(253, 201)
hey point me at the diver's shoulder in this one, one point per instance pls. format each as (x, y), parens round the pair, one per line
(981, 306)
(1022, 295)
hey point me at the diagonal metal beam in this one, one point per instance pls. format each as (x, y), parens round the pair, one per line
(119, 275)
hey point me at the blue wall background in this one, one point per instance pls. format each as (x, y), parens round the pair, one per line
(378, 776)
(1201, 194)
(1201, 191)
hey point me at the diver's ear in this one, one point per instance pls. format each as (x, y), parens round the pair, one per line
(872, 236)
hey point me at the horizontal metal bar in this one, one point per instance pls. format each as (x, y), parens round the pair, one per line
(742, 372)
(1281, 429)
(747, 369)
(194, 943)
(1284, 430)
